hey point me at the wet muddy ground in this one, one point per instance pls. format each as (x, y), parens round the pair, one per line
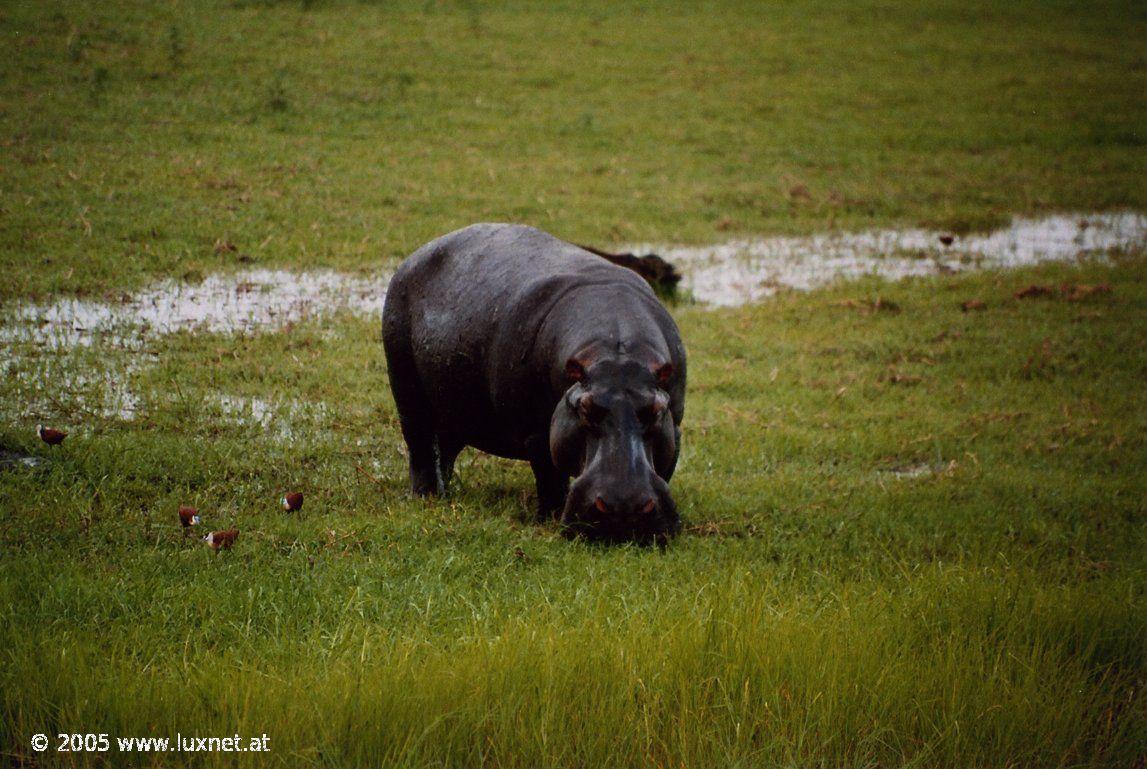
(80, 355)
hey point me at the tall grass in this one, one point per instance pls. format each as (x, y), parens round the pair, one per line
(957, 667)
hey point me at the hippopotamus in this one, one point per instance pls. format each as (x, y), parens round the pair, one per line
(507, 339)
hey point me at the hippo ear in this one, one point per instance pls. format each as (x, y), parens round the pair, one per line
(575, 371)
(662, 371)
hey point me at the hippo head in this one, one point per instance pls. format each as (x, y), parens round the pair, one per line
(613, 433)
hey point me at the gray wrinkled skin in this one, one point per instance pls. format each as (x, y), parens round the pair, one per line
(504, 338)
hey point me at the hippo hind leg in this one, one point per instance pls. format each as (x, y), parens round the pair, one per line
(415, 414)
(422, 451)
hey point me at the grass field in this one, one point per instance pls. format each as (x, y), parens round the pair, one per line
(138, 135)
(914, 536)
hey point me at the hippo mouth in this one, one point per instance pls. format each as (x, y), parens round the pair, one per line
(581, 518)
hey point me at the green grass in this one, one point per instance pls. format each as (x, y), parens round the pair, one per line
(138, 135)
(819, 610)
(913, 538)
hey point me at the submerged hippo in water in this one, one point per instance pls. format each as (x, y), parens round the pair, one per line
(504, 338)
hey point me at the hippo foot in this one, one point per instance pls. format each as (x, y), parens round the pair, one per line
(425, 482)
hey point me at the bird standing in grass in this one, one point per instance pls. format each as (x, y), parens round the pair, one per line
(221, 540)
(50, 436)
(292, 501)
(188, 516)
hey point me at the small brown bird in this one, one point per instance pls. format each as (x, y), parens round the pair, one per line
(292, 501)
(221, 540)
(947, 240)
(1034, 291)
(973, 304)
(1073, 292)
(50, 436)
(188, 516)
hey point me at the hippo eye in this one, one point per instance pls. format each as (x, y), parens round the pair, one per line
(589, 411)
(650, 414)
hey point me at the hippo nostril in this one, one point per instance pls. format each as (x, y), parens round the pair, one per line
(599, 503)
(647, 508)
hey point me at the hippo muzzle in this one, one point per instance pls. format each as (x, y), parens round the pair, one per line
(602, 511)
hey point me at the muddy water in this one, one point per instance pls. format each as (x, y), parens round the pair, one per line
(724, 274)
(244, 301)
(78, 356)
(745, 271)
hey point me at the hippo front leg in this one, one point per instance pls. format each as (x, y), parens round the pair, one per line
(552, 484)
